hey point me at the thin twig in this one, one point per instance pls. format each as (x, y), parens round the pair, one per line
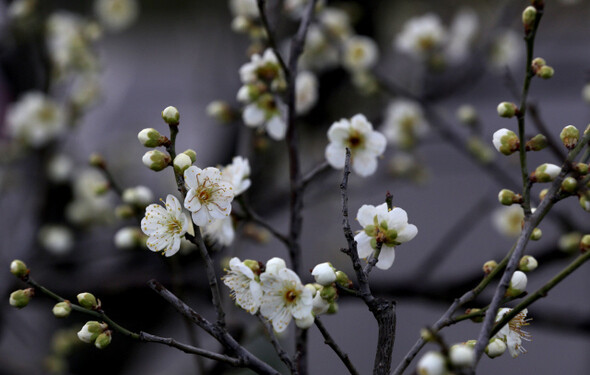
(270, 36)
(555, 147)
(277, 345)
(328, 340)
(251, 215)
(311, 175)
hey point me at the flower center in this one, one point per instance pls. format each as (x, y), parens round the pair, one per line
(291, 295)
(355, 139)
(204, 195)
(174, 226)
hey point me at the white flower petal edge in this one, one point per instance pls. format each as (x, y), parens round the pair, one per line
(245, 289)
(165, 226)
(208, 196)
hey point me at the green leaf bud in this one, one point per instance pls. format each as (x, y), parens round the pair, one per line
(537, 234)
(569, 184)
(328, 293)
(18, 268)
(87, 300)
(528, 17)
(20, 298)
(171, 115)
(569, 136)
(581, 168)
(103, 340)
(538, 62)
(545, 72)
(489, 266)
(342, 279)
(537, 143)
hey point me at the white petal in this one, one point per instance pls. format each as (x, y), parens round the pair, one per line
(364, 164)
(410, 231)
(386, 257)
(201, 217)
(253, 116)
(336, 155)
(190, 177)
(191, 202)
(366, 215)
(363, 245)
(276, 128)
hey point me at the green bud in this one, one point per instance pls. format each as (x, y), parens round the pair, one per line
(569, 136)
(156, 160)
(20, 298)
(489, 266)
(508, 197)
(87, 300)
(181, 163)
(328, 293)
(96, 160)
(342, 279)
(18, 268)
(333, 308)
(545, 72)
(124, 211)
(527, 263)
(569, 243)
(467, 114)
(62, 309)
(476, 319)
(103, 340)
(150, 137)
(585, 203)
(538, 62)
(537, 234)
(427, 335)
(91, 330)
(585, 243)
(506, 109)
(543, 194)
(537, 143)
(171, 115)
(528, 17)
(569, 184)
(480, 150)
(254, 265)
(581, 168)
(545, 173)
(191, 154)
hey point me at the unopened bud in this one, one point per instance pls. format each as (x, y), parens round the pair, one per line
(545, 173)
(62, 309)
(528, 17)
(480, 150)
(585, 243)
(461, 355)
(324, 273)
(156, 160)
(96, 160)
(527, 263)
(467, 114)
(328, 293)
(569, 184)
(20, 298)
(585, 203)
(543, 194)
(90, 331)
(508, 197)
(545, 72)
(537, 63)
(342, 279)
(581, 168)
(432, 363)
(171, 115)
(103, 340)
(507, 109)
(220, 111)
(87, 300)
(569, 136)
(18, 268)
(181, 163)
(537, 234)
(150, 137)
(495, 348)
(517, 285)
(489, 266)
(191, 154)
(506, 141)
(569, 243)
(478, 318)
(537, 143)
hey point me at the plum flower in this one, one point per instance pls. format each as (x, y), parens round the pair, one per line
(165, 226)
(238, 174)
(421, 36)
(244, 284)
(284, 298)
(512, 332)
(365, 145)
(381, 225)
(208, 196)
(220, 231)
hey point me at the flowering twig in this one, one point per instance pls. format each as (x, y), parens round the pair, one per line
(328, 340)
(277, 345)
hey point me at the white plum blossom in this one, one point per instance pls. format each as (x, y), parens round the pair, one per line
(116, 15)
(505, 50)
(324, 273)
(35, 119)
(220, 231)
(461, 35)
(360, 53)
(89, 205)
(432, 363)
(57, 239)
(208, 197)
(365, 145)
(306, 92)
(320, 305)
(273, 265)
(165, 226)
(512, 333)
(284, 298)
(59, 168)
(319, 53)
(265, 68)
(389, 227)
(421, 36)
(244, 284)
(508, 220)
(246, 8)
(238, 174)
(404, 123)
(518, 284)
(127, 238)
(138, 196)
(461, 355)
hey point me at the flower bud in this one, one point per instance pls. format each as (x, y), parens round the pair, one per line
(527, 263)
(324, 273)
(528, 17)
(220, 111)
(508, 197)
(150, 137)
(333, 308)
(537, 143)
(91, 330)
(328, 293)
(171, 115)
(489, 266)
(569, 184)
(182, 162)
(517, 284)
(545, 72)
(103, 340)
(432, 363)
(581, 168)
(543, 194)
(62, 309)
(320, 305)
(585, 243)
(536, 234)
(273, 265)
(585, 203)
(569, 242)
(467, 114)
(191, 154)
(461, 355)
(305, 322)
(427, 335)
(20, 298)
(124, 211)
(254, 265)
(569, 136)
(537, 63)
(156, 160)
(18, 268)
(480, 150)
(87, 300)
(506, 141)
(545, 173)
(140, 196)
(342, 279)
(495, 348)
(127, 238)
(476, 319)
(507, 109)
